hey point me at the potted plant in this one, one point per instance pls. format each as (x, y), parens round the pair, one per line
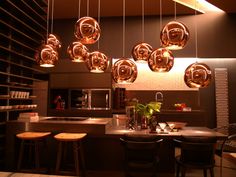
(146, 111)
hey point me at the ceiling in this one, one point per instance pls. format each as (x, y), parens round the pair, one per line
(64, 9)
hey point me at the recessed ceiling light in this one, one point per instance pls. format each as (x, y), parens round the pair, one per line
(199, 5)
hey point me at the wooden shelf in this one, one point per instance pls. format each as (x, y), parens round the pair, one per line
(22, 66)
(22, 23)
(22, 109)
(13, 6)
(20, 32)
(23, 27)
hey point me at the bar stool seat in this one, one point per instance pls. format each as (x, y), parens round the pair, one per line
(76, 140)
(33, 138)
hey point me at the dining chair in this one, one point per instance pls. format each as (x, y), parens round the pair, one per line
(196, 152)
(227, 145)
(140, 154)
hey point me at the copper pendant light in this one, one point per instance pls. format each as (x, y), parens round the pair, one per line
(141, 52)
(161, 60)
(124, 71)
(46, 56)
(174, 35)
(54, 41)
(78, 52)
(97, 62)
(197, 75)
(87, 30)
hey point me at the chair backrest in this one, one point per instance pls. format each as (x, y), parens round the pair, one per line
(139, 147)
(197, 150)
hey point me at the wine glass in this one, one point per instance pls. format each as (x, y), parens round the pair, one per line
(162, 126)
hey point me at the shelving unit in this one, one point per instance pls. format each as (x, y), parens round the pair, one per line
(23, 27)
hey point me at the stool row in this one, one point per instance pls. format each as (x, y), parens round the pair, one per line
(33, 139)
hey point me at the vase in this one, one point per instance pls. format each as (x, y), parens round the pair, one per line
(144, 122)
(153, 124)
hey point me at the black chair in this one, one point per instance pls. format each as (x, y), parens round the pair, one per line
(140, 154)
(228, 145)
(196, 153)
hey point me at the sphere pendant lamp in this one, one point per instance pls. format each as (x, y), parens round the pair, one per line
(47, 55)
(197, 75)
(77, 51)
(97, 62)
(174, 34)
(141, 51)
(87, 29)
(161, 59)
(124, 71)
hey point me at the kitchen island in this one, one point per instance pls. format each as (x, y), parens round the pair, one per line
(102, 147)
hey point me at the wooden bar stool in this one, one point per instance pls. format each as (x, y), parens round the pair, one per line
(33, 140)
(75, 138)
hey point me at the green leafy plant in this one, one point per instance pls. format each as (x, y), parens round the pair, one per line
(148, 109)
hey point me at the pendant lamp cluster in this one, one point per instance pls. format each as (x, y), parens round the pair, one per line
(87, 31)
(197, 75)
(47, 55)
(124, 70)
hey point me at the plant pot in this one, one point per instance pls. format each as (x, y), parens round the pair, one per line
(153, 125)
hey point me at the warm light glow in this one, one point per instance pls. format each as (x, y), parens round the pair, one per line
(199, 5)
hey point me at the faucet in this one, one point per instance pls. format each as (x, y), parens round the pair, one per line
(159, 96)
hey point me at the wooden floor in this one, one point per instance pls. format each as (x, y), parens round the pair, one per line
(229, 170)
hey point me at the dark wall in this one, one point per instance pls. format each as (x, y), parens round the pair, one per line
(215, 35)
(215, 39)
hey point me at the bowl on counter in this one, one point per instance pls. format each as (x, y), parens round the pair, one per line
(176, 125)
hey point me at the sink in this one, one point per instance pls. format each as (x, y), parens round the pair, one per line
(65, 118)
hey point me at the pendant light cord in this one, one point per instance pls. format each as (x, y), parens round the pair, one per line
(99, 11)
(123, 28)
(160, 26)
(79, 5)
(175, 9)
(52, 16)
(196, 35)
(47, 20)
(142, 20)
(87, 7)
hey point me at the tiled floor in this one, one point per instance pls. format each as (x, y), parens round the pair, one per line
(229, 170)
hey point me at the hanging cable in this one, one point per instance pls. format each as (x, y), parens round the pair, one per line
(123, 28)
(196, 35)
(99, 9)
(87, 7)
(48, 19)
(79, 4)
(175, 9)
(142, 20)
(160, 26)
(52, 16)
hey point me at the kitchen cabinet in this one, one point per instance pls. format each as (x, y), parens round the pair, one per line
(23, 27)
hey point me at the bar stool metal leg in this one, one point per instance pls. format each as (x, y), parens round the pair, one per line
(76, 157)
(20, 155)
(59, 154)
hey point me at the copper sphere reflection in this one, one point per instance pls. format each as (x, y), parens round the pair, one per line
(53, 41)
(97, 62)
(141, 52)
(124, 71)
(47, 56)
(197, 75)
(161, 60)
(77, 51)
(87, 30)
(174, 35)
